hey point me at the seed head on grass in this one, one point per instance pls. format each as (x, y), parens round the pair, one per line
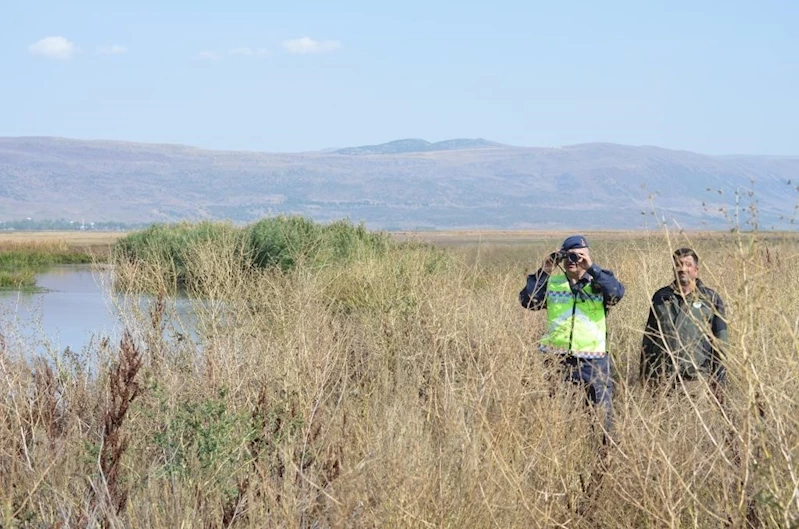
(123, 388)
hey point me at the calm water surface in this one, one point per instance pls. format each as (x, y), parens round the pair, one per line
(76, 306)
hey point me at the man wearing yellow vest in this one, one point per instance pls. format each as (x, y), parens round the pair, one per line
(577, 293)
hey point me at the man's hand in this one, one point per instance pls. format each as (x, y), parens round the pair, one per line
(585, 261)
(549, 263)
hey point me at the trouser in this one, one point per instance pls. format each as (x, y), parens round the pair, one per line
(593, 374)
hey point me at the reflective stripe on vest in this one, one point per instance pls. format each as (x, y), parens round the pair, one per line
(574, 326)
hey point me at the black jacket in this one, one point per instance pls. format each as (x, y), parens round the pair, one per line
(684, 335)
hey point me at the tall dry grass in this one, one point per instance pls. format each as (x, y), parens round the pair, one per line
(405, 390)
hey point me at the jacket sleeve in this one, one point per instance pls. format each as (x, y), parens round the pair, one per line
(533, 295)
(611, 288)
(718, 326)
(648, 346)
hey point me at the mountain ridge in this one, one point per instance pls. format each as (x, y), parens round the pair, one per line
(408, 145)
(456, 184)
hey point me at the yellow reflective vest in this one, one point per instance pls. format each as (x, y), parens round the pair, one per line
(575, 324)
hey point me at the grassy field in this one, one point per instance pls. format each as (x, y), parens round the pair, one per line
(98, 243)
(24, 254)
(404, 389)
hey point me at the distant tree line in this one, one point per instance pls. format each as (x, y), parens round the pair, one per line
(66, 225)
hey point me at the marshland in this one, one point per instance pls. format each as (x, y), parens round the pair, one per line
(346, 378)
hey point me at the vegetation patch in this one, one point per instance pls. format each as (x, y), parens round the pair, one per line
(402, 386)
(20, 261)
(279, 243)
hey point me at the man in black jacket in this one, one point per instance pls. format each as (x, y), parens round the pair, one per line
(686, 331)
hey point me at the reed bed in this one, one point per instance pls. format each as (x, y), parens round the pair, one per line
(402, 388)
(21, 259)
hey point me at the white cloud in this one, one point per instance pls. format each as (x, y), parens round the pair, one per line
(209, 55)
(241, 51)
(53, 47)
(114, 49)
(309, 45)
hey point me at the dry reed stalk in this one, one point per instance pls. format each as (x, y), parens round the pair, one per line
(46, 389)
(123, 388)
(155, 332)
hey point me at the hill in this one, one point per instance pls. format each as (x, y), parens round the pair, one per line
(407, 184)
(417, 145)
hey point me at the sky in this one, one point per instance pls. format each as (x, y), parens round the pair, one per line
(716, 77)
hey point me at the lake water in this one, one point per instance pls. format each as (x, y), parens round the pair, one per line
(75, 308)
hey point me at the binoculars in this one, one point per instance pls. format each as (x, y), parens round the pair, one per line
(568, 256)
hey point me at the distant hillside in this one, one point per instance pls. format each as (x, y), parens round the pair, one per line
(408, 184)
(417, 145)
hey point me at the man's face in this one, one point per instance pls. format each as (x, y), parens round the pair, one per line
(570, 263)
(686, 270)
(576, 261)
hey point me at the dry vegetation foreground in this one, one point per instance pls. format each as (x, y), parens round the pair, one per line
(406, 390)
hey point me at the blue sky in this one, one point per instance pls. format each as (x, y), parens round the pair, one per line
(712, 77)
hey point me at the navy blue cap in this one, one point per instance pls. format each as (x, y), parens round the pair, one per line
(574, 242)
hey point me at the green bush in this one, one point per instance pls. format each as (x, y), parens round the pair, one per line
(168, 247)
(283, 242)
(279, 242)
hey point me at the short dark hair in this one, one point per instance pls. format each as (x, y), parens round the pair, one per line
(683, 252)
